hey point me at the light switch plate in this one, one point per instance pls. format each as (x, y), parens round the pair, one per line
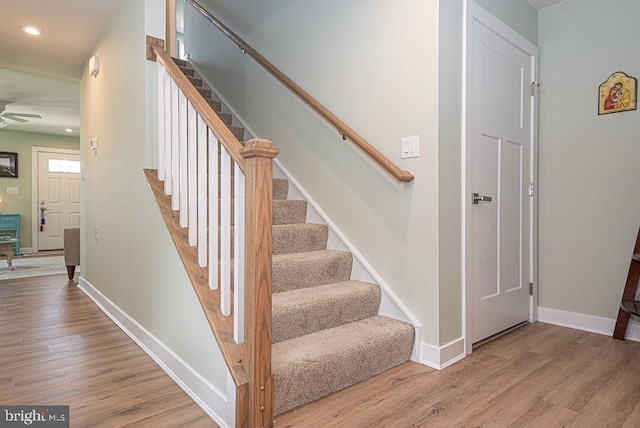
(411, 147)
(13, 190)
(94, 144)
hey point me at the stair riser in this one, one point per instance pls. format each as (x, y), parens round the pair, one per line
(284, 212)
(306, 311)
(311, 270)
(299, 238)
(302, 376)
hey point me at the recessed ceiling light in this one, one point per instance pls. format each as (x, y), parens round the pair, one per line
(31, 30)
(68, 130)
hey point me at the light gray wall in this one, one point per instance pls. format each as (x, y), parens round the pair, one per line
(589, 209)
(449, 169)
(133, 261)
(517, 14)
(374, 64)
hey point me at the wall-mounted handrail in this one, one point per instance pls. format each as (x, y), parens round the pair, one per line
(343, 129)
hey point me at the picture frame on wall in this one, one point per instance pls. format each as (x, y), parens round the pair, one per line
(8, 164)
(617, 94)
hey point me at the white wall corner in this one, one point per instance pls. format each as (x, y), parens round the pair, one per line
(208, 397)
(442, 357)
(585, 322)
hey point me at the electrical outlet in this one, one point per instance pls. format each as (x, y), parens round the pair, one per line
(95, 232)
(411, 147)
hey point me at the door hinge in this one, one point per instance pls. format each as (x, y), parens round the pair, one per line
(532, 92)
(530, 189)
(531, 289)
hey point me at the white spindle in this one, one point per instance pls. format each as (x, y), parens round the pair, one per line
(225, 232)
(175, 149)
(193, 175)
(214, 200)
(202, 193)
(238, 255)
(184, 183)
(161, 126)
(168, 100)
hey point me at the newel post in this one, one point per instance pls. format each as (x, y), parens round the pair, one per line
(258, 155)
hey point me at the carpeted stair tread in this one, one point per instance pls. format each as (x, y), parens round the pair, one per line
(237, 132)
(308, 310)
(296, 238)
(195, 81)
(206, 93)
(280, 188)
(181, 62)
(215, 105)
(285, 211)
(289, 211)
(226, 118)
(312, 366)
(308, 269)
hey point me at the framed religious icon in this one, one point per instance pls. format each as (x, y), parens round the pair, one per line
(617, 93)
(8, 164)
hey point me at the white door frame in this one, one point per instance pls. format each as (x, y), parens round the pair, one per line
(35, 206)
(474, 12)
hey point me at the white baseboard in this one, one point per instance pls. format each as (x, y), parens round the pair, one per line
(208, 397)
(443, 356)
(585, 322)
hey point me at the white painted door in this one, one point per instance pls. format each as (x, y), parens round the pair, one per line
(499, 172)
(58, 197)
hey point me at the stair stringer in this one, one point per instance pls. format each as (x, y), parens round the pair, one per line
(390, 304)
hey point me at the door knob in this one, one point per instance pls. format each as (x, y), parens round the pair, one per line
(476, 198)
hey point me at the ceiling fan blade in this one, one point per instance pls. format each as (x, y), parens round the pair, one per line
(17, 119)
(11, 115)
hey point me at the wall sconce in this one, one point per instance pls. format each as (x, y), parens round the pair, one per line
(94, 66)
(0, 202)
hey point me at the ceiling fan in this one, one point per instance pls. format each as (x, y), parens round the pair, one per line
(18, 117)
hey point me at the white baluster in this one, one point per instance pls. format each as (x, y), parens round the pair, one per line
(167, 133)
(238, 255)
(175, 149)
(225, 232)
(202, 193)
(184, 183)
(214, 200)
(161, 126)
(192, 175)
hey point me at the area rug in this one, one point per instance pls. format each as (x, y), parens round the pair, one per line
(32, 266)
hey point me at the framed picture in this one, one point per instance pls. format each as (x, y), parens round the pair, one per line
(8, 164)
(617, 93)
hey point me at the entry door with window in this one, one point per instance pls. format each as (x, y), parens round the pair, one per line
(58, 197)
(498, 206)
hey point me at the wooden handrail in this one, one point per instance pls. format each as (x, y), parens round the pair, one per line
(343, 129)
(217, 126)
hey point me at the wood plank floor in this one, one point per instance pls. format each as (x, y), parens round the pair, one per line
(537, 376)
(58, 348)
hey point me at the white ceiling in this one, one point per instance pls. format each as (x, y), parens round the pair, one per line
(40, 75)
(539, 4)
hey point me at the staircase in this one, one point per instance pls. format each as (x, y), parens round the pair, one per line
(326, 333)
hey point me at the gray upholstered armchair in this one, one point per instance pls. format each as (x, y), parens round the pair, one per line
(71, 250)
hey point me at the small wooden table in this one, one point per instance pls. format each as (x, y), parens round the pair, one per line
(6, 248)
